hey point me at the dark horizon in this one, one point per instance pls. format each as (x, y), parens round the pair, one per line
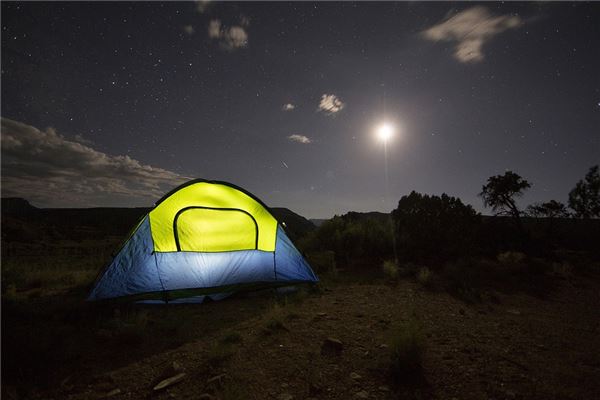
(114, 104)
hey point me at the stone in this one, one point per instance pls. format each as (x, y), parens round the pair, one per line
(362, 395)
(169, 381)
(332, 347)
(113, 392)
(355, 376)
(216, 380)
(285, 396)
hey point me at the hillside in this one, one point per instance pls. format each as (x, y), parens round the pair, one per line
(22, 222)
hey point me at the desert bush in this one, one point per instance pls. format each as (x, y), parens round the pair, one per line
(231, 338)
(562, 270)
(424, 277)
(323, 262)
(47, 274)
(352, 237)
(273, 319)
(391, 270)
(463, 278)
(219, 352)
(407, 347)
(510, 258)
(439, 227)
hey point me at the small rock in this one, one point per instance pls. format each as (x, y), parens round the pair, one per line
(332, 347)
(169, 381)
(206, 396)
(285, 396)
(216, 380)
(355, 376)
(321, 314)
(284, 385)
(513, 311)
(113, 392)
(383, 346)
(361, 395)
(170, 370)
(384, 388)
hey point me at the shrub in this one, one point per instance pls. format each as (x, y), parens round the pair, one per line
(273, 320)
(510, 258)
(231, 338)
(562, 270)
(407, 347)
(424, 276)
(218, 353)
(434, 226)
(464, 279)
(323, 262)
(390, 270)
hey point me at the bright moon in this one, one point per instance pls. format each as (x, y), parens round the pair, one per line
(385, 131)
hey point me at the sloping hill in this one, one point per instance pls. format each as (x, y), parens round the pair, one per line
(22, 222)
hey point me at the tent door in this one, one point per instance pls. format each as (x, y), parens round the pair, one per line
(210, 229)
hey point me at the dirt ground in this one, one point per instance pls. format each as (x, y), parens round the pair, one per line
(258, 347)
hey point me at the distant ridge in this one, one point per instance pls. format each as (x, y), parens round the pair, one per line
(78, 223)
(17, 205)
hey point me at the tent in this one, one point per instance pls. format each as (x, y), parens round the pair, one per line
(204, 238)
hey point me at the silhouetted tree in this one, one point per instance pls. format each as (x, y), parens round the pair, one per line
(550, 209)
(352, 237)
(438, 227)
(584, 199)
(500, 194)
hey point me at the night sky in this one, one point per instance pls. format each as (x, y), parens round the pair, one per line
(113, 104)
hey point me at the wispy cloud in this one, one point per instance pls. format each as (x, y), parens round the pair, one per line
(471, 29)
(288, 107)
(188, 29)
(331, 104)
(53, 171)
(300, 139)
(202, 6)
(230, 38)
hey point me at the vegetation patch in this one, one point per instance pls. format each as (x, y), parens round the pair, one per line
(425, 277)
(407, 347)
(391, 270)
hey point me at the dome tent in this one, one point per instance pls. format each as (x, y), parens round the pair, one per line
(204, 238)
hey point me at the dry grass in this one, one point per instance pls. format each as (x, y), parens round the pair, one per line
(407, 347)
(424, 277)
(391, 270)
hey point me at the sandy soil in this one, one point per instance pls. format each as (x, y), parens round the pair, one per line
(516, 346)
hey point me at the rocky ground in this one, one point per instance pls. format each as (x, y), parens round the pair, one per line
(334, 344)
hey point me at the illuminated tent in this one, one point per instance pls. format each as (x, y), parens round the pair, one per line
(204, 238)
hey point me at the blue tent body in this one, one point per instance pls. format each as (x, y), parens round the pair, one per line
(140, 272)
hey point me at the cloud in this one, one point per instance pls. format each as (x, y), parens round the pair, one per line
(230, 38)
(471, 29)
(52, 171)
(288, 107)
(214, 29)
(330, 104)
(189, 29)
(202, 6)
(299, 139)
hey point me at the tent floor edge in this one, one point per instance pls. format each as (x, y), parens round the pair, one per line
(192, 292)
